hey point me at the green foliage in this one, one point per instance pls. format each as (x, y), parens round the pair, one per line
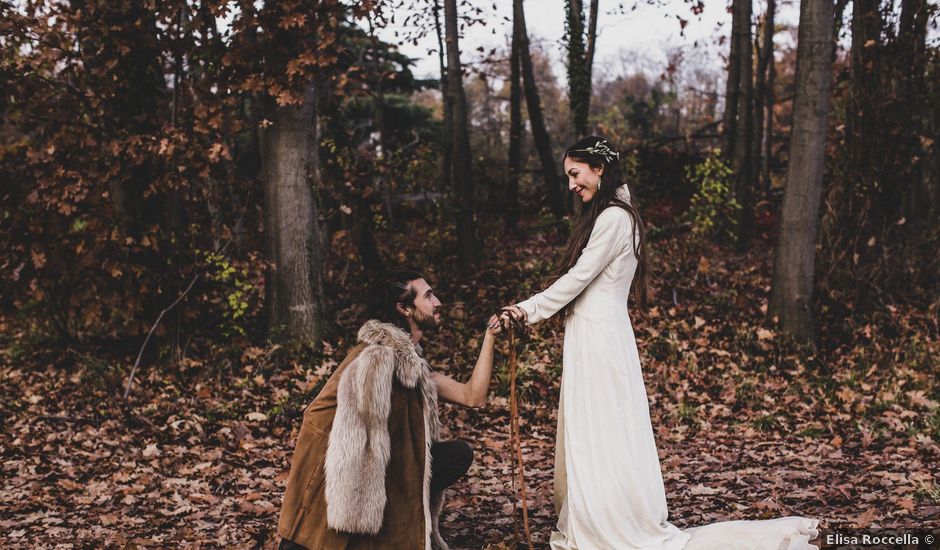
(630, 166)
(125, 178)
(688, 412)
(747, 392)
(928, 492)
(767, 422)
(816, 430)
(932, 425)
(238, 290)
(713, 210)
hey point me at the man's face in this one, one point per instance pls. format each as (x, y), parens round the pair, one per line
(426, 311)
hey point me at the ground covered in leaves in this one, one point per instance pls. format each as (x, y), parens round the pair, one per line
(748, 426)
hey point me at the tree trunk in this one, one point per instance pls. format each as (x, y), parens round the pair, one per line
(909, 160)
(489, 125)
(792, 295)
(293, 283)
(447, 163)
(591, 43)
(730, 117)
(931, 184)
(463, 167)
(254, 105)
(380, 179)
(511, 218)
(764, 56)
(179, 74)
(579, 88)
(364, 231)
(860, 118)
(771, 99)
(135, 81)
(745, 125)
(125, 65)
(570, 206)
(540, 135)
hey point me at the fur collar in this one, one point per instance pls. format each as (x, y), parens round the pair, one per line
(359, 447)
(409, 366)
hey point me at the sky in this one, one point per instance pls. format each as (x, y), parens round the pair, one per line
(628, 41)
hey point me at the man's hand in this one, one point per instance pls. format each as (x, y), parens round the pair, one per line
(473, 392)
(495, 325)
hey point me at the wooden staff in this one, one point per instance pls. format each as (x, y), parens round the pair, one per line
(518, 480)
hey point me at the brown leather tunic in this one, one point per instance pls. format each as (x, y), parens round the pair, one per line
(303, 510)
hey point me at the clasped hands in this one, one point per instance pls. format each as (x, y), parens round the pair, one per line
(500, 321)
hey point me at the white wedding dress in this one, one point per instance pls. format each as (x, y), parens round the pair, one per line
(609, 492)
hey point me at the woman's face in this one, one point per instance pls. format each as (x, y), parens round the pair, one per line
(582, 178)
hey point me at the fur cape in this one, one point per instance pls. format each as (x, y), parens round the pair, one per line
(358, 450)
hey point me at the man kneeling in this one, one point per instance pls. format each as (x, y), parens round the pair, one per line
(369, 469)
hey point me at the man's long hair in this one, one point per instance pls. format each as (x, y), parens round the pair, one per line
(611, 179)
(389, 290)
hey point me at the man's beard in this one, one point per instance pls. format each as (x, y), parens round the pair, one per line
(426, 322)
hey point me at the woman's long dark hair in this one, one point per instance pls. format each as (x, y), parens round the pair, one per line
(611, 180)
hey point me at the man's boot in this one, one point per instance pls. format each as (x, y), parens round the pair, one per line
(437, 504)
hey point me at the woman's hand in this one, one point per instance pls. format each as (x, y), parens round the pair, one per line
(516, 312)
(500, 321)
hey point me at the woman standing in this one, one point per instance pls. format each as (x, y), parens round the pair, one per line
(609, 491)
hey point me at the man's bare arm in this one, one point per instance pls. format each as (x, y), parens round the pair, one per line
(473, 392)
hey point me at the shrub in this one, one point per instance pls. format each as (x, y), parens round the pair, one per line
(713, 210)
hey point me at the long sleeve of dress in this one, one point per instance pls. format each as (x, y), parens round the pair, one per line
(607, 239)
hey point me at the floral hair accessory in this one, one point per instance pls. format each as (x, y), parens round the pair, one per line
(601, 149)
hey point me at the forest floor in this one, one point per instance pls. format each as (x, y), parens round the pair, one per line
(747, 426)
